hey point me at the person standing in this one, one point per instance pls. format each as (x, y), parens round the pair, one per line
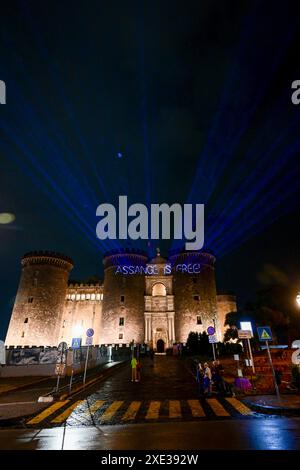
(221, 371)
(278, 376)
(133, 369)
(200, 377)
(207, 379)
(216, 378)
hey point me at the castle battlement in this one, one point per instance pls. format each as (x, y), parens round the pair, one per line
(47, 257)
(75, 285)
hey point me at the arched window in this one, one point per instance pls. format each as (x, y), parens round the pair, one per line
(159, 289)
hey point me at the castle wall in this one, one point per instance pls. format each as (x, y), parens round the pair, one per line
(226, 304)
(47, 310)
(82, 310)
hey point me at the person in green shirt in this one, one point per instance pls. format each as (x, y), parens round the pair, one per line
(133, 370)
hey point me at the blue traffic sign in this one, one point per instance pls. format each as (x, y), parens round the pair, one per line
(264, 333)
(76, 343)
(211, 330)
(90, 332)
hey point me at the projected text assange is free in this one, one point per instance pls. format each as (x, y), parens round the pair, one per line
(188, 222)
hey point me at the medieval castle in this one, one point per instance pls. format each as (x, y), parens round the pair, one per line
(158, 303)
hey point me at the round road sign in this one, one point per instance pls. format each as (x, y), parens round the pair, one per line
(211, 330)
(90, 332)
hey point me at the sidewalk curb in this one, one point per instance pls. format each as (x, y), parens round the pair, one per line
(14, 389)
(9, 422)
(100, 377)
(103, 376)
(271, 410)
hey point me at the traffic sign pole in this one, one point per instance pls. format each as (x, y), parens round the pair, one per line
(57, 383)
(273, 372)
(214, 353)
(265, 334)
(89, 341)
(62, 347)
(212, 339)
(86, 363)
(251, 355)
(71, 380)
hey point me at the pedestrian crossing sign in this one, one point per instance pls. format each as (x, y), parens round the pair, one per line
(76, 343)
(264, 333)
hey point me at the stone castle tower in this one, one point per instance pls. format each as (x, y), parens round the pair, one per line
(157, 302)
(39, 304)
(123, 299)
(194, 293)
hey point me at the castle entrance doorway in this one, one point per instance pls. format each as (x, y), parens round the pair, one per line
(160, 346)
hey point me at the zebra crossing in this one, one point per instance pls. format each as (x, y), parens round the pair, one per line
(87, 412)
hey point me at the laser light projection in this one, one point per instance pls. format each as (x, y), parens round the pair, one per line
(153, 269)
(188, 223)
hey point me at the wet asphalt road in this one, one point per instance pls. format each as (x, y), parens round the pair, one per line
(167, 392)
(163, 411)
(258, 434)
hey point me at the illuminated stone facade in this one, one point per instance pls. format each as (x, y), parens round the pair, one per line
(158, 302)
(159, 306)
(226, 304)
(195, 295)
(39, 305)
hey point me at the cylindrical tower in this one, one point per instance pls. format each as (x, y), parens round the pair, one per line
(123, 297)
(38, 308)
(194, 288)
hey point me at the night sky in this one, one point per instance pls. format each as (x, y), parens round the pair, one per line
(182, 101)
